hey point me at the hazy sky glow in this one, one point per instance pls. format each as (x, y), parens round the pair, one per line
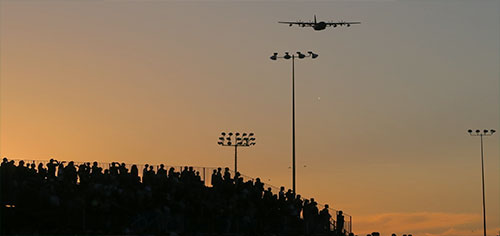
(157, 81)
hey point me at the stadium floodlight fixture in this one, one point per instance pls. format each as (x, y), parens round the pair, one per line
(312, 54)
(274, 56)
(287, 56)
(238, 140)
(478, 132)
(484, 133)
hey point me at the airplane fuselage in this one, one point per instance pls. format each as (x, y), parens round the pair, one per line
(319, 26)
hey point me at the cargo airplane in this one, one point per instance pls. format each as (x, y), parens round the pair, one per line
(319, 25)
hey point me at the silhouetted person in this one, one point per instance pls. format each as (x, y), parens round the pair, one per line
(197, 178)
(227, 176)
(113, 169)
(161, 171)
(184, 173)
(268, 195)
(281, 195)
(213, 180)
(51, 167)
(171, 172)
(325, 219)
(60, 170)
(340, 223)
(218, 177)
(122, 170)
(95, 171)
(145, 175)
(289, 195)
(259, 187)
(134, 174)
(42, 171)
(70, 173)
(21, 170)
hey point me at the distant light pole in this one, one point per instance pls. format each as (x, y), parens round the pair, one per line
(481, 134)
(287, 56)
(237, 141)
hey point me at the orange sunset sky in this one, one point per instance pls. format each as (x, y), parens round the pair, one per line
(381, 114)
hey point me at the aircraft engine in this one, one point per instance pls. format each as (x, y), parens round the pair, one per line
(348, 25)
(290, 25)
(334, 25)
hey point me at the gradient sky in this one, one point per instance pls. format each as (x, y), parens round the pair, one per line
(382, 113)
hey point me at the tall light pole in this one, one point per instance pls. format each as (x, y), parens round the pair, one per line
(481, 134)
(287, 56)
(236, 141)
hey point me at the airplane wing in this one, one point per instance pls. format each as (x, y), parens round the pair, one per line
(299, 23)
(341, 23)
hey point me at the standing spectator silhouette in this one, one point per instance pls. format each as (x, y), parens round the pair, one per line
(340, 223)
(213, 179)
(51, 167)
(325, 219)
(145, 174)
(227, 176)
(42, 172)
(70, 173)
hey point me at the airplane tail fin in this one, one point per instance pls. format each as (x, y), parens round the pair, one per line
(315, 19)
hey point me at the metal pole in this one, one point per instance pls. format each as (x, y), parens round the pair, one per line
(350, 224)
(293, 123)
(235, 159)
(482, 180)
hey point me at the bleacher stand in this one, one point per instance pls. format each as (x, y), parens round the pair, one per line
(68, 198)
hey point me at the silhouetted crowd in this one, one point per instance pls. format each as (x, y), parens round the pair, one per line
(64, 198)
